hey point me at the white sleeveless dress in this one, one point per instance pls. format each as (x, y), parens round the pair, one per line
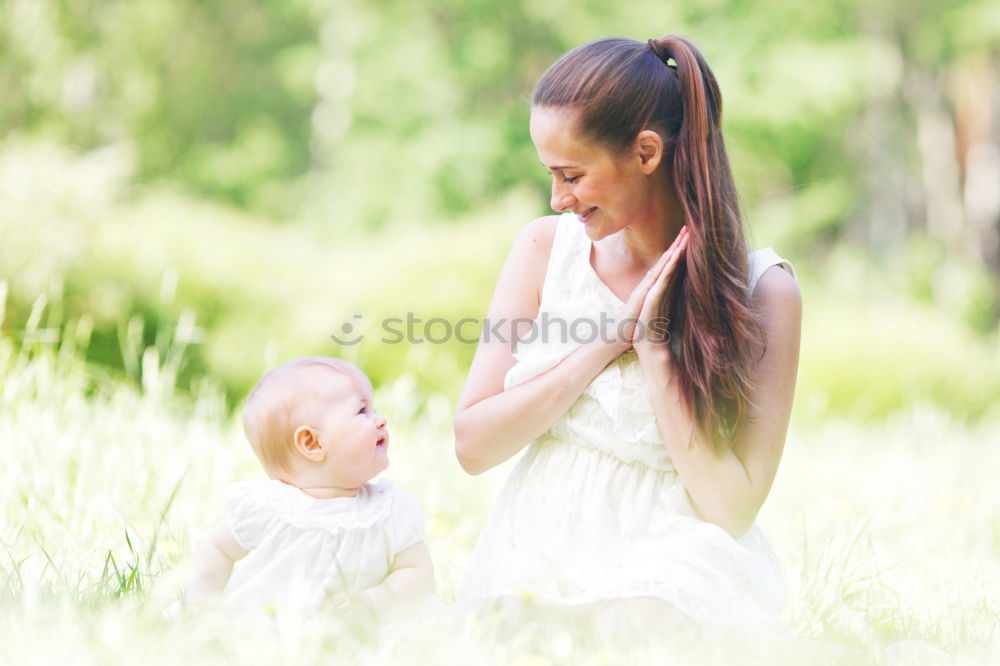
(594, 509)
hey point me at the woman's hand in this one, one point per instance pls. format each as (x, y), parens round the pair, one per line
(641, 329)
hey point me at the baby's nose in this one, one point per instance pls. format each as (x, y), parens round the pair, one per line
(380, 421)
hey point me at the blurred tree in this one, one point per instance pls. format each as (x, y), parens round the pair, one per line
(930, 145)
(215, 95)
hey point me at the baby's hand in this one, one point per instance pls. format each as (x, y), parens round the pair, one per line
(354, 601)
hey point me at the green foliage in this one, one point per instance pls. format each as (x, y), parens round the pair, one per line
(360, 114)
(215, 292)
(397, 131)
(965, 290)
(878, 339)
(215, 96)
(871, 361)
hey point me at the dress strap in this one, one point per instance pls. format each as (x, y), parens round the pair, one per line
(563, 271)
(761, 260)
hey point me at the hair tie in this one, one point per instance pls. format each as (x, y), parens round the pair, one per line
(660, 52)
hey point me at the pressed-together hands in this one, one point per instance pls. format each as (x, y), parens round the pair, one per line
(493, 423)
(642, 330)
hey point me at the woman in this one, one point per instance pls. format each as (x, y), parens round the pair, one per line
(648, 460)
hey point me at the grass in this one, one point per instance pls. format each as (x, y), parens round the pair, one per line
(887, 531)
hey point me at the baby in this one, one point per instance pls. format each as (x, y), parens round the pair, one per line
(319, 530)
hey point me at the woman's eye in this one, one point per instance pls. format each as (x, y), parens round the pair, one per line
(570, 179)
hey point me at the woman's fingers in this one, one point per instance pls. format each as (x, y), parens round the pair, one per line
(661, 263)
(651, 274)
(670, 251)
(641, 292)
(677, 254)
(651, 303)
(675, 258)
(656, 290)
(670, 257)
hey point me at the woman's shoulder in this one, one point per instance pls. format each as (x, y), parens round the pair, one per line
(784, 279)
(775, 287)
(528, 261)
(537, 236)
(777, 284)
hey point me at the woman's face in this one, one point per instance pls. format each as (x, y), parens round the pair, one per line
(607, 192)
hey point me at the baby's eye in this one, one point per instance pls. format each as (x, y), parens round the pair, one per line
(363, 410)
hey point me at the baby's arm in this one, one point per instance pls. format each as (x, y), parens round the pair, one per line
(411, 578)
(213, 562)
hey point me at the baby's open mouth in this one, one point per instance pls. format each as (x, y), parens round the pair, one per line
(380, 442)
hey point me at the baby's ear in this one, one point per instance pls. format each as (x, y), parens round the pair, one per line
(307, 444)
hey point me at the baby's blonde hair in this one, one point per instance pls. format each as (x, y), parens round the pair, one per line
(273, 409)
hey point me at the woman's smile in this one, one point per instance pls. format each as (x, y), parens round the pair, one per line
(585, 215)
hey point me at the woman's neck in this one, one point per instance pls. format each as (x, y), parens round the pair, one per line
(646, 239)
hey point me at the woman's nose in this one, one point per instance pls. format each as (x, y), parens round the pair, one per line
(562, 198)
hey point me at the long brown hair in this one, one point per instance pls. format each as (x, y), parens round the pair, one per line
(620, 87)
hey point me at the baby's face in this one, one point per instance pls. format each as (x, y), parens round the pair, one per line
(354, 436)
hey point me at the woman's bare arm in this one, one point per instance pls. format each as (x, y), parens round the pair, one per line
(492, 425)
(729, 488)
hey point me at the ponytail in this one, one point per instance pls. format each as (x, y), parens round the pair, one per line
(712, 300)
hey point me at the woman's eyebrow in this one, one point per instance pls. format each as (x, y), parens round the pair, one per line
(557, 168)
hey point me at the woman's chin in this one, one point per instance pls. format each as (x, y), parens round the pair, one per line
(594, 233)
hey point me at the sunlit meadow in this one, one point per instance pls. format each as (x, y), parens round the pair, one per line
(889, 534)
(193, 192)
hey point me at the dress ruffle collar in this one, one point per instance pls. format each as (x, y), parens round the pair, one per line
(271, 499)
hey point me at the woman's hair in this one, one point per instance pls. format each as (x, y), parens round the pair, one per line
(621, 87)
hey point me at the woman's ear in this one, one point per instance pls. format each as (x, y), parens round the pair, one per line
(649, 146)
(307, 444)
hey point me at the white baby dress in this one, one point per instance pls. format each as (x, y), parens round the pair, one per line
(303, 548)
(594, 510)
